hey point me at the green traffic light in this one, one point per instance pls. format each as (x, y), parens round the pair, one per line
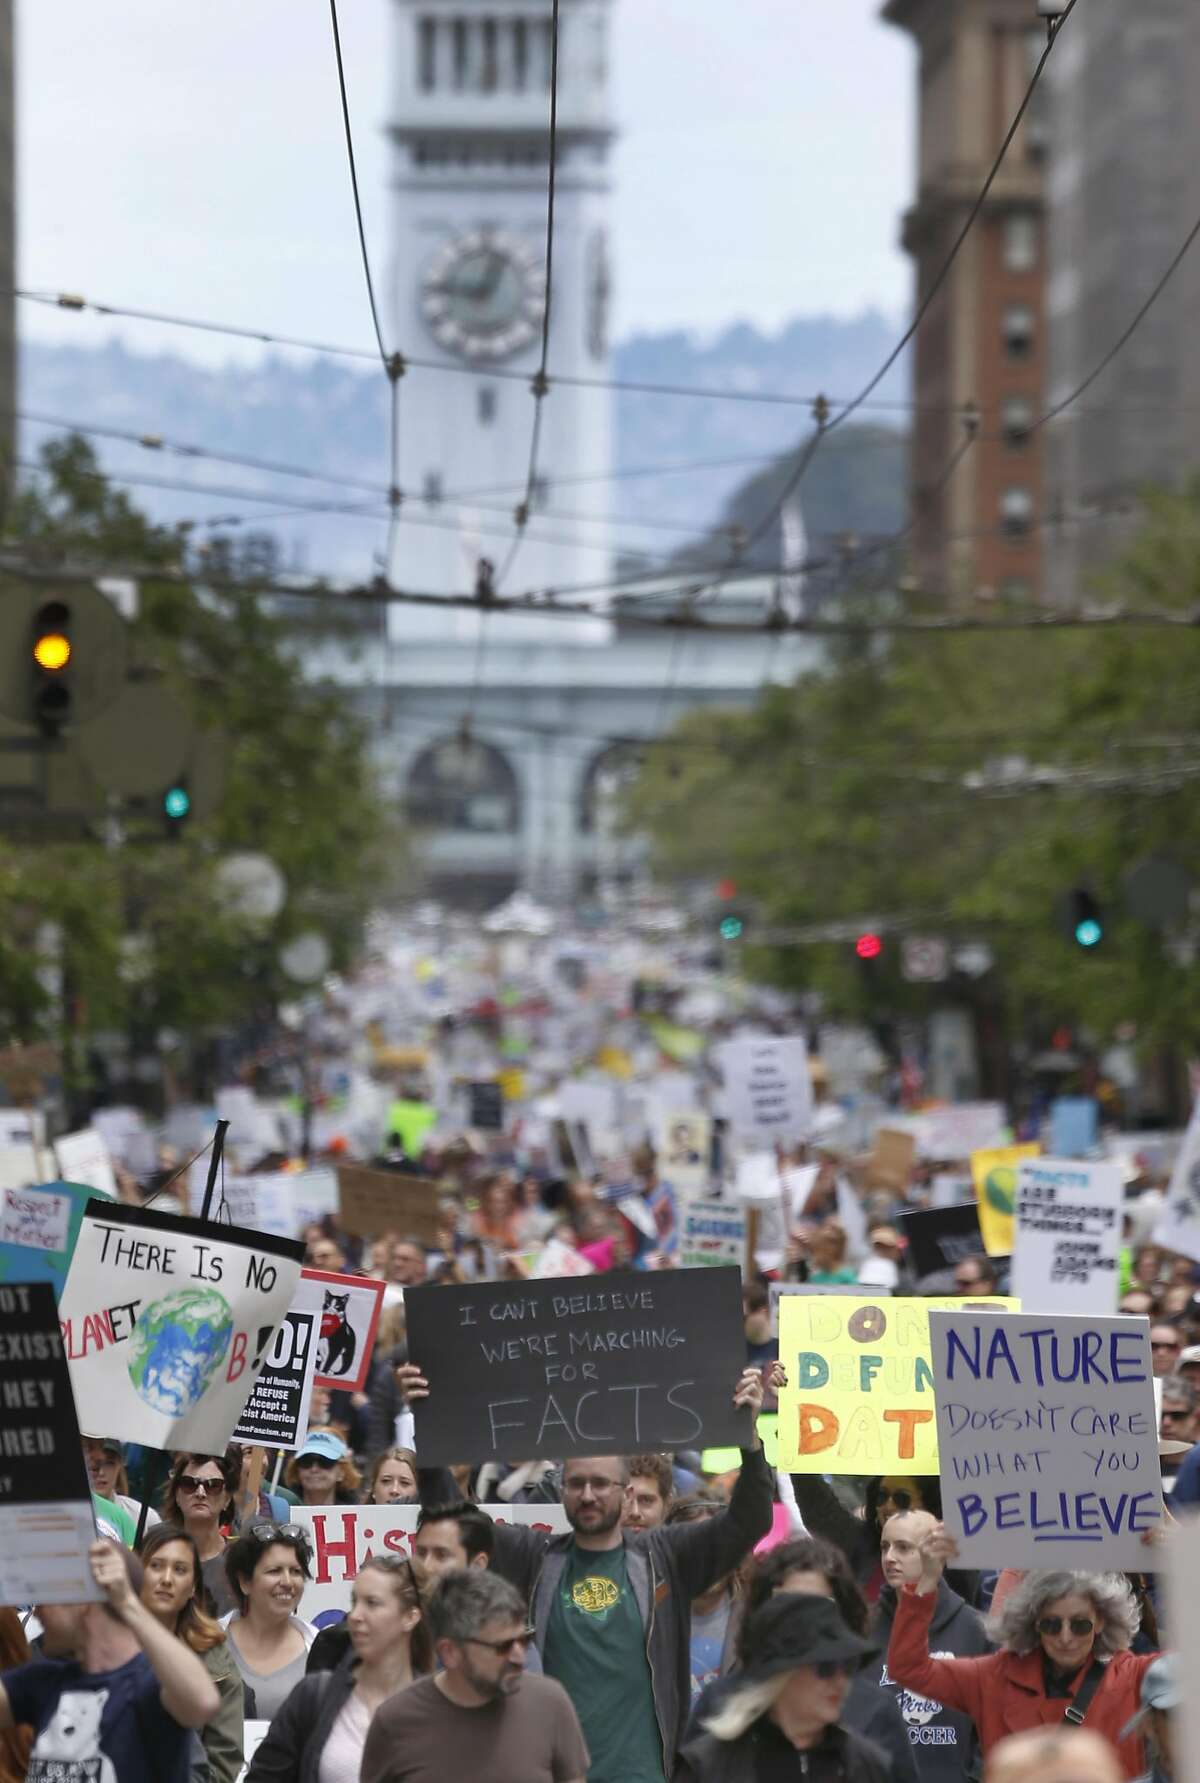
(1088, 932)
(177, 802)
(731, 927)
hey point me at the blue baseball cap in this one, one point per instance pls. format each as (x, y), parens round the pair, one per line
(323, 1443)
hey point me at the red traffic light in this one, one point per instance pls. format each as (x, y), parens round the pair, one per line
(726, 889)
(869, 947)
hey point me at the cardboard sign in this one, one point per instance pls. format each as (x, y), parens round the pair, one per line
(891, 1159)
(859, 1397)
(371, 1202)
(711, 1233)
(276, 1414)
(994, 1174)
(167, 1322)
(343, 1536)
(940, 1237)
(487, 1107)
(46, 1522)
(617, 1365)
(1048, 1439)
(1068, 1236)
(347, 1309)
(684, 1148)
(768, 1090)
(1178, 1228)
(83, 1158)
(39, 1227)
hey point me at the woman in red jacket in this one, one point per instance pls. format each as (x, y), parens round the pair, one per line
(1064, 1642)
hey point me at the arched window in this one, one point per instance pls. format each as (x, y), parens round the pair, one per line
(608, 774)
(461, 785)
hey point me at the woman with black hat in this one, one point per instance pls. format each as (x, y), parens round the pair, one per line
(782, 1720)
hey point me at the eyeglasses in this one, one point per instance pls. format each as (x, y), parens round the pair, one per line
(290, 1534)
(189, 1482)
(1166, 1343)
(1171, 1412)
(524, 1639)
(831, 1668)
(599, 1487)
(1078, 1625)
(897, 1496)
(315, 1461)
(968, 1281)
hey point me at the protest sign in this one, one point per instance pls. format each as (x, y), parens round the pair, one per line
(1181, 1580)
(780, 1290)
(1178, 1227)
(940, 1237)
(768, 1090)
(167, 1321)
(890, 1161)
(46, 1522)
(1074, 1126)
(38, 1229)
(127, 1137)
(22, 1126)
(711, 1232)
(729, 1460)
(948, 1189)
(859, 1397)
(19, 1167)
(961, 1128)
(684, 1149)
(1048, 1440)
(276, 1413)
(1067, 1244)
(592, 1105)
(372, 1202)
(347, 1309)
(557, 1258)
(551, 1368)
(487, 1107)
(799, 1181)
(994, 1174)
(344, 1536)
(83, 1158)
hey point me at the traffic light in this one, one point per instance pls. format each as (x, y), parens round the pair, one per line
(731, 928)
(1084, 919)
(50, 657)
(176, 806)
(869, 946)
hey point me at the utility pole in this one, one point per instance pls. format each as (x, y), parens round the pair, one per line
(8, 261)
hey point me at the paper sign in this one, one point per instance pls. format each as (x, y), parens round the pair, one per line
(83, 1158)
(780, 1290)
(1048, 1439)
(684, 1147)
(711, 1232)
(961, 1128)
(853, 1217)
(22, 1126)
(859, 1397)
(167, 1322)
(948, 1189)
(1178, 1228)
(32, 1262)
(1074, 1126)
(1068, 1236)
(343, 1536)
(46, 1522)
(616, 1364)
(376, 1201)
(1181, 1581)
(558, 1259)
(19, 1168)
(347, 1309)
(38, 1218)
(768, 1091)
(276, 1413)
(940, 1237)
(994, 1174)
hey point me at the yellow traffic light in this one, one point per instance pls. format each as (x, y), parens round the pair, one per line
(52, 651)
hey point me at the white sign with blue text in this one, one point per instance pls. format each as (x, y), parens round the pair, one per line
(1067, 1239)
(1047, 1438)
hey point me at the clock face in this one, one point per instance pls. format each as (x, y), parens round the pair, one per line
(483, 295)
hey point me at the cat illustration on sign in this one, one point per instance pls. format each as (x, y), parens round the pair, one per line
(336, 1349)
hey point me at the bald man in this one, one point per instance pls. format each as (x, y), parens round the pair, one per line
(944, 1743)
(1054, 1755)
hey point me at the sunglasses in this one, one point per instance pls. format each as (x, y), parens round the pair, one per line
(188, 1482)
(1078, 1625)
(291, 1534)
(899, 1497)
(524, 1639)
(316, 1461)
(1165, 1343)
(831, 1668)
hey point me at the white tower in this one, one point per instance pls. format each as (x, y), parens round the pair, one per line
(471, 134)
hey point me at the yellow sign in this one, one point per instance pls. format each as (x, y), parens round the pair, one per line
(512, 1083)
(860, 1397)
(995, 1178)
(729, 1460)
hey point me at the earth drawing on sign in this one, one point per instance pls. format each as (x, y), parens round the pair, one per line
(177, 1346)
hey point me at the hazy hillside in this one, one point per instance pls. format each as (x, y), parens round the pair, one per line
(329, 416)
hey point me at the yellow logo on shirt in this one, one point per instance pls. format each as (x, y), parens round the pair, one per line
(594, 1594)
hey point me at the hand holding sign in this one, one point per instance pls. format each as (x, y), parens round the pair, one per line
(938, 1549)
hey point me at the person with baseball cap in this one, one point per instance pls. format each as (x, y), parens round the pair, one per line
(1162, 1691)
(799, 1658)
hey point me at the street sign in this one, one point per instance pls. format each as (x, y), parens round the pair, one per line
(924, 959)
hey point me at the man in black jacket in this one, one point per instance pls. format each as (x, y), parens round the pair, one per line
(944, 1742)
(612, 1606)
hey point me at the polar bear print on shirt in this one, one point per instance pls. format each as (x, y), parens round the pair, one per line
(68, 1748)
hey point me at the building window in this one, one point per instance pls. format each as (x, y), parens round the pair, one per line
(459, 38)
(1016, 512)
(489, 76)
(1016, 418)
(426, 54)
(1017, 328)
(433, 489)
(485, 405)
(520, 54)
(1020, 241)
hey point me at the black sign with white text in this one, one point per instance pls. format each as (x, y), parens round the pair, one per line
(568, 1366)
(487, 1107)
(940, 1237)
(276, 1414)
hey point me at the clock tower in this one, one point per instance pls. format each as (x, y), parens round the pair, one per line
(471, 139)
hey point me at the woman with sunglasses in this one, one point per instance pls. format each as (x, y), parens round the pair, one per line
(267, 1567)
(323, 1471)
(200, 1497)
(319, 1733)
(172, 1590)
(1063, 1640)
(860, 1538)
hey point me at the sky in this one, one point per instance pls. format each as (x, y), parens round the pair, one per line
(192, 160)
